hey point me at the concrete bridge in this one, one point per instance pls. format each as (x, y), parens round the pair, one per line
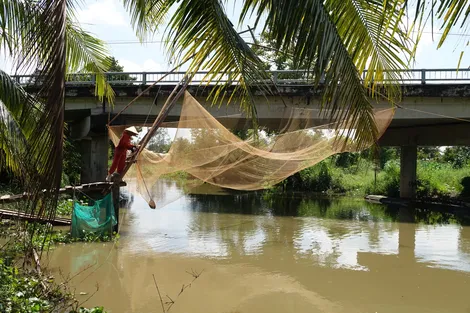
(435, 103)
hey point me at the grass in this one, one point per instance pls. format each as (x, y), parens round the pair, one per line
(434, 179)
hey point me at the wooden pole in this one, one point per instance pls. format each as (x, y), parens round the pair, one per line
(170, 102)
(115, 197)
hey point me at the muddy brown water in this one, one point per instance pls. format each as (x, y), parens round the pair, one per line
(277, 254)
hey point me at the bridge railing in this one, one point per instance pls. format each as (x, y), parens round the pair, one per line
(280, 77)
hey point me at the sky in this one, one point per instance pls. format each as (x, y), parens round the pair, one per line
(108, 20)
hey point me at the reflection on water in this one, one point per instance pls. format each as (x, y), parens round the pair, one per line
(322, 255)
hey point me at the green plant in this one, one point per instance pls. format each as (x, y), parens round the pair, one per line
(465, 182)
(65, 206)
(27, 292)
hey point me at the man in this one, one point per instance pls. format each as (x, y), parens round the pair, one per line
(120, 152)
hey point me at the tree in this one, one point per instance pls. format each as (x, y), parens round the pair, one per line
(429, 153)
(457, 156)
(42, 37)
(115, 67)
(160, 142)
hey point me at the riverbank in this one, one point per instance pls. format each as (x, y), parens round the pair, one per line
(436, 180)
(24, 284)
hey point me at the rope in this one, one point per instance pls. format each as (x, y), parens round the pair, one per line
(147, 89)
(435, 114)
(161, 78)
(154, 102)
(75, 189)
(145, 184)
(420, 111)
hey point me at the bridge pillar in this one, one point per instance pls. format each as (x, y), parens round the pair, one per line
(408, 160)
(94, 151)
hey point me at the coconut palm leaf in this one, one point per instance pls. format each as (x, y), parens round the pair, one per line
(336, 39)
(47, 40)
(87, 54)
(13, 16)
(43, 154)
(451, 13)
(146, 15)
(374, 35)
(19, 112)
(201, 31)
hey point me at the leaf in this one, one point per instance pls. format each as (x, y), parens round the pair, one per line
(19, 112)
(147, 15)
(201, 32)
(334, 38)
(87, 54)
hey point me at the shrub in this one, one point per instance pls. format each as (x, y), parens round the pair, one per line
(465, 182)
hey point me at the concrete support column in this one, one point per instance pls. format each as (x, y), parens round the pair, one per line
(94, 158)
(408, 160)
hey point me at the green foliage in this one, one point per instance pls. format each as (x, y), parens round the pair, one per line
(465, 182)
(356, 174)
(21, 293)
(160, 141)
(429, 153)
(26, 292)
(115, 67)
(388, 181)
(458, 157)
(65, 206)
(317, 178)
(346, 159)
(71, 163)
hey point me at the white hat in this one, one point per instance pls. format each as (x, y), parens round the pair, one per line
(132, 130)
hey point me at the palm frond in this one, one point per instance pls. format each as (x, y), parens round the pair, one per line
(373, 33)
(88, 54)
(451, 13)
(147, 15)
(16, 20)
(43, 156)
(333, 39)
(19, 112)
(201, 31)
(454, 13)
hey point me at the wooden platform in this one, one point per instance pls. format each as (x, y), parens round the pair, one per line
(68, 189)
(14, 214)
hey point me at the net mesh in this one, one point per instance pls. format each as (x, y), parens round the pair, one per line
(98, 218)
(211, 153)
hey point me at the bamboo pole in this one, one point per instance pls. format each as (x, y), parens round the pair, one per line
(169, 104)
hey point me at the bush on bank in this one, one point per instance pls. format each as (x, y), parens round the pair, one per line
(434, 179)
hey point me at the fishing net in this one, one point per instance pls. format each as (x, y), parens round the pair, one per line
(210, 152)
(98, 218)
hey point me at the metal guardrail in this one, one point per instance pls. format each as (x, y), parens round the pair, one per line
(281, 77)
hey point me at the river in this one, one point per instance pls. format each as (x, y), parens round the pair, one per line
(277, 254)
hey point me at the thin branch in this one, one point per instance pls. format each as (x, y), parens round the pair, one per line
(159, 295)
(86, 300)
